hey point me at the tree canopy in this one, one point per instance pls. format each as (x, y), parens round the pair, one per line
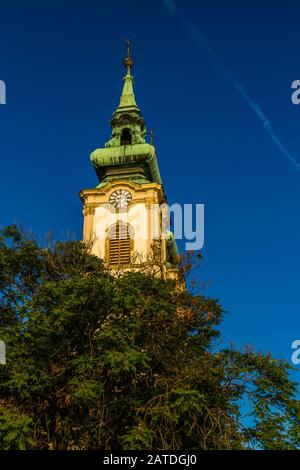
(96, 361)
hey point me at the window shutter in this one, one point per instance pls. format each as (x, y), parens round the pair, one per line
(119, 245)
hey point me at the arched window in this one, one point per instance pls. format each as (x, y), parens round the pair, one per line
(126, 137)
(119, 244)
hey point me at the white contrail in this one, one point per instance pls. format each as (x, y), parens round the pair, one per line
(234, 82)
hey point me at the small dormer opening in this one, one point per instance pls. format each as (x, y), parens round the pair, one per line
(126, 138)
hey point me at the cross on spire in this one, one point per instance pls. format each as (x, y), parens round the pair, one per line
(128, 44)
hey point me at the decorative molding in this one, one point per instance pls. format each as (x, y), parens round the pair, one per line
(89, 209)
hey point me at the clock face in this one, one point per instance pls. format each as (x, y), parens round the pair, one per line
(120, 198)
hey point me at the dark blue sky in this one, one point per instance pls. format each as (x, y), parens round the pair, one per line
(62, 64)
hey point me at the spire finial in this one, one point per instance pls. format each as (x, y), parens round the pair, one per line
(151, 136)
(128, 62)
(128, 47)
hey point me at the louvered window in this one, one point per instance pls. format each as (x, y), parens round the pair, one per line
(119, 245)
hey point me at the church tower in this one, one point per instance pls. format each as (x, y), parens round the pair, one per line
(124, 216)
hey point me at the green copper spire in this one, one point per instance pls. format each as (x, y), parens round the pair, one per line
(128, 126)
(127, 100)
(126, 155)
